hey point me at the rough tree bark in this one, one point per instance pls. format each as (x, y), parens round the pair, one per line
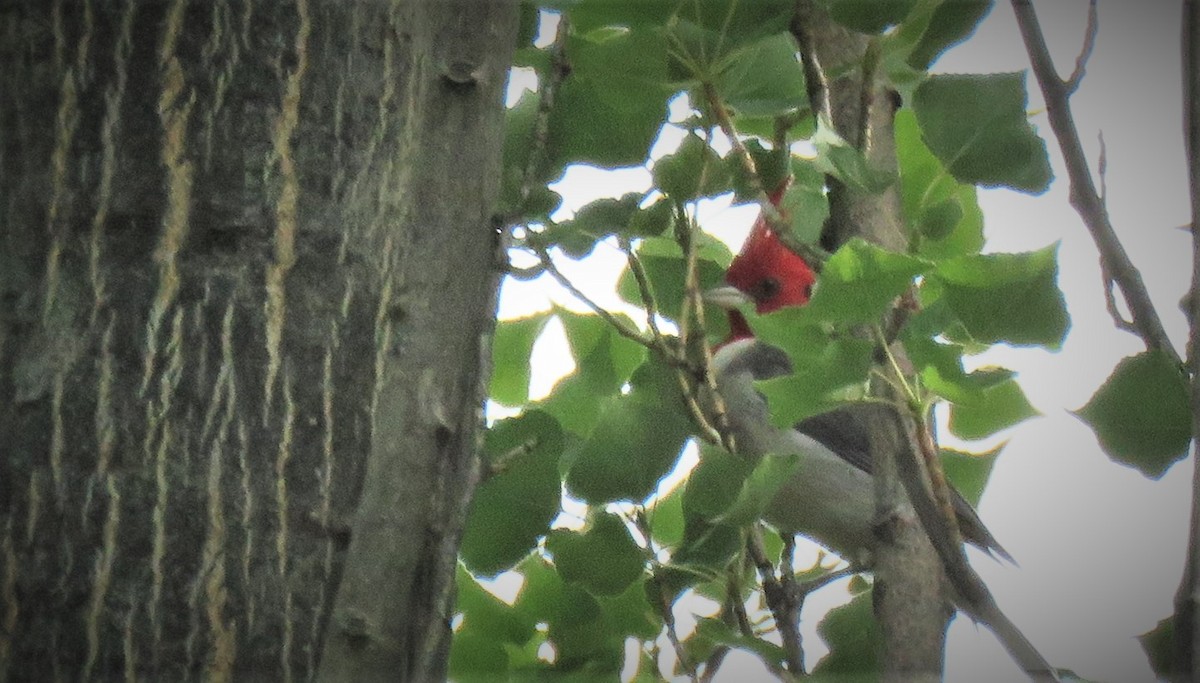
(221, 228)
(910, 599)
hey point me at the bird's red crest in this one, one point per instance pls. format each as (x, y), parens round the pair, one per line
(768, 272)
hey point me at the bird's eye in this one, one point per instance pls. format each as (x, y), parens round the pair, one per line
(766, 289)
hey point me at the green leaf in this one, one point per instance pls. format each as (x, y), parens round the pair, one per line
(1011, 298)
(942, 214)
(937, 222)
(630, 612)
(666, 269)
(765, 79)
(705, 551)
(589, 15)
(527, 23)
(488, 614)
(997, 407)
(518, 142)
(511, 346)
(603, 558)
(869, 16)
(1159, 646)
(969, 472)
(861, 281)
(513, 508)
(772, 167)
(693, 170)
(665, 518)
(715, 483)
(952, 22)
(758, 490)
(805, 203)
(587, 333)
(977, 126)
(604, 360)
(651, 221)
(583, 639)
(608, 111)
(476, 656)
(854, 640)
(946, 377)
(842, 160)
(604, 216)
(828, 370)
(1141, 414)
(707, 34)
(634, 443)
(717, 631)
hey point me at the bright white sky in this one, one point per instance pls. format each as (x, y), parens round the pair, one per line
(1100, 547)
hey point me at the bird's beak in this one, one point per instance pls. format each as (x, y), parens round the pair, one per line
(727, 297)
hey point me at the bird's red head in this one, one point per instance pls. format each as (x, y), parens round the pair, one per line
(769, 273)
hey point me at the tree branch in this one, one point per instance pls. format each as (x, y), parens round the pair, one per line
(1085, 53)
(909, 593)
(1187, 597)
(1084, 197)
(780, 594)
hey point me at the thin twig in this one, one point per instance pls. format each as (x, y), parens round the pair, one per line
(806, 588)
(814, 76)
(779, 593)
(681, 655)
(694, 307)
(725, 121)
(684, 370)
(866, 95)
(796, 595)
(623, 329)
(1084, 198)
(815, 256)
(649, 302)
(560, 68)
(925, 482)
(501, 463)
(1110, 300)
(1085, 53)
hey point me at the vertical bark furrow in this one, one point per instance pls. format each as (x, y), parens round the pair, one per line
(103, 573)
(220, 56)
(282, 456)
(175, 103)
(222, 646)
(283, 128)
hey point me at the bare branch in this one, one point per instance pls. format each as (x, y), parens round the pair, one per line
(780, 594)
(971, 593)
(1084, 198)
(814, 76)
(1110, 301)
(668, 617)
(621, 327)
(1187, 597)
(814, 255)
(1089, 42)
(547, 91)
(1102, 169)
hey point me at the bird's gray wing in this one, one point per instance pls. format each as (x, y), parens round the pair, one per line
(844, 431)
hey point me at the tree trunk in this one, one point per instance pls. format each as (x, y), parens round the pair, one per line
(222, 229)
(909, 592)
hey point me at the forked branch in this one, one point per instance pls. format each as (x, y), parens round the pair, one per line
(1083, 194)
